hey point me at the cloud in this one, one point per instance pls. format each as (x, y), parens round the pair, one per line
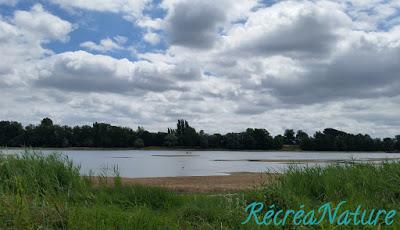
(291, 29)
(8, 2)
(130, 9)
(22, 37)
(152, 38)
(84, 72)
(369, 15)
(42, 25)
(150, 23)
(194, 27)
(196, 24)
(106, 45)
(121, 39)
(366, 69)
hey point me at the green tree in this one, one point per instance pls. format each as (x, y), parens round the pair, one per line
(203, 139)
(187, 135)
(232, 141)
(46, 122)
(289, 137)
(139, 143)
(11, 134)
(397, 143)
(301, 137)
(170, 140)
(279, 140)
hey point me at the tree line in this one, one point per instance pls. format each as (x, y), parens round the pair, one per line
(102, 135)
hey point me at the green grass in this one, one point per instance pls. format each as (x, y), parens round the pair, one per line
(371, 186)
(47, 192)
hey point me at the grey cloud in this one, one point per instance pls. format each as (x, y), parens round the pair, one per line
(72, 83)
(194, 24)
(250, 109)
(84, 72)
(186, 72)
(308, 36)
(380, 119)
(312, 34)
(189, 96)
(364, 72)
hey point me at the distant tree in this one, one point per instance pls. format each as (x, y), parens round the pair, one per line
(334, 132)
(180, 128)
(324, 142)
(247, 139)
(140, 130)
(203, 139)
(170, 140)
(289, 137)
(11, 134)
(388, 144)
(233, 141)
(279, 140)
(139, 143)
(216, 141)
(397, 143)
(48, 134)
(46, 122)
(101, 135)
(159, 138)
(303, 140)
(263, 139)
(187, 135)
(301, 137)
(83, 136)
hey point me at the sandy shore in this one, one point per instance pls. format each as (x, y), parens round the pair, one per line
(204, 184)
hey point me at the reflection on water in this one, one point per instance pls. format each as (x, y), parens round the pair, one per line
(140, 163)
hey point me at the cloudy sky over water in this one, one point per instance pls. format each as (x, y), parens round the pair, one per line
(223, 65)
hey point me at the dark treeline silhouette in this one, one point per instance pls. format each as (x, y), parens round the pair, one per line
(102, 135)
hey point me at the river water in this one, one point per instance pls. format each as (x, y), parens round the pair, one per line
(149, 163)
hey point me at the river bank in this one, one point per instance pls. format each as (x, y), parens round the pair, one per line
(201, 184)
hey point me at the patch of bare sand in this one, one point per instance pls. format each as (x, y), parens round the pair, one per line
(204, 184)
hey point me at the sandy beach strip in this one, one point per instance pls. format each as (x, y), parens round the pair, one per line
(202, 184)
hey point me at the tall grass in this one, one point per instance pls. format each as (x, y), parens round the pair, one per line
(38, 175)
(373, 186)
(369, 184)
(47, 192)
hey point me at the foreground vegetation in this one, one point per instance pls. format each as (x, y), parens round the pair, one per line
(47, 192)
(102, 135)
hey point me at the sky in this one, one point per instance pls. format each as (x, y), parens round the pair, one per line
(222, 65)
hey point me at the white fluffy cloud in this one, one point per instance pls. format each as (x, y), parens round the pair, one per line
(84, 72)
(290, 29)
(41, 25)
(22, 37)
(105, 45)
(371, 14)
(152, 38)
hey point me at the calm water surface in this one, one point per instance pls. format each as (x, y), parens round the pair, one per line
(148, 163)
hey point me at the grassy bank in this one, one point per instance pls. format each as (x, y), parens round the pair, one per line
(48, 192)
